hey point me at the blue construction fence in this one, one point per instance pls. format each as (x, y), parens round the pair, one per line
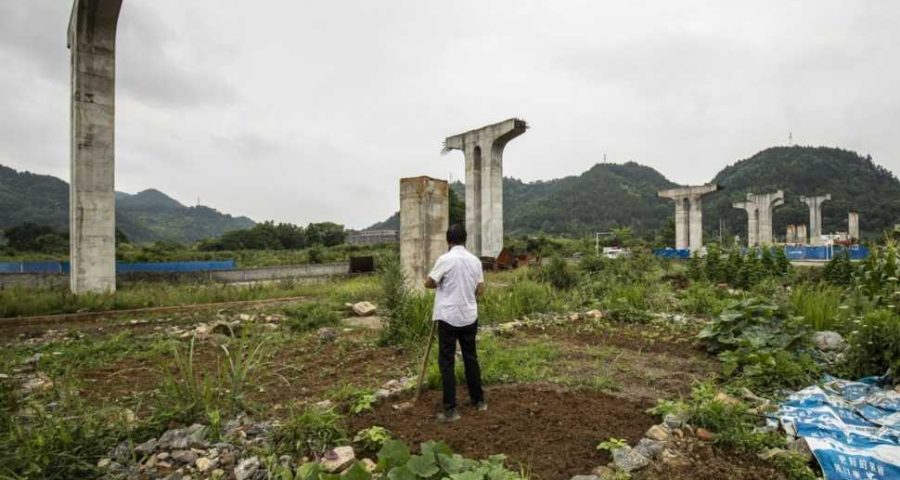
(121, 267)
(857, 252)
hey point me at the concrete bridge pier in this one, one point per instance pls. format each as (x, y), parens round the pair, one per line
(765, 203)
(424, 220)
(689, 214)
(853, 225)
(815, 217)
(752, 221)
(483, 150)
(92, 208)
(759, 216)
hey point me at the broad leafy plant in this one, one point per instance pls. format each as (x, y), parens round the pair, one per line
(761, 346)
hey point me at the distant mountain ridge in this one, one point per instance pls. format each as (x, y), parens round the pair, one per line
(617, 195)
(146, 216)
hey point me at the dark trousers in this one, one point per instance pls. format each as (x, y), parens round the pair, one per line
(448, 335)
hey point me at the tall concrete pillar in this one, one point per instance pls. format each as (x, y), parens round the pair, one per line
(853, 225)
(688, 203)
(765, 202)
(791, 234)
(424, 220)
(752, 221)
(92, 208)
(682, 223)
(483, 150)
(815, 217)
(801, 234)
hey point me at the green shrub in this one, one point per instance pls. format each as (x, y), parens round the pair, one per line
(702, 298)
(310, 433)
(317, 254)
(310, 316)
(874, 346)
(560, 274)
(406, 315)
(839, 270)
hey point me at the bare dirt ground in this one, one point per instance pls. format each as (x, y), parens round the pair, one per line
(549, 431)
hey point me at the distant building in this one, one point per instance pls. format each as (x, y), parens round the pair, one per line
(373, 237)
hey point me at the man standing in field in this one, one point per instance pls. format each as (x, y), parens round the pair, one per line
(459, 280)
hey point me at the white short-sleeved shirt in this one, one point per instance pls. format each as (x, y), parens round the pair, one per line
(457, 273)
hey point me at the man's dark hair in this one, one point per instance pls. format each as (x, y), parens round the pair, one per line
(456, 234)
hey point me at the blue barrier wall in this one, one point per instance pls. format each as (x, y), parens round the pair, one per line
(147, 267)
(857, 252)
(673, 253)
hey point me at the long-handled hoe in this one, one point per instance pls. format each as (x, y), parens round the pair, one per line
(424, 362)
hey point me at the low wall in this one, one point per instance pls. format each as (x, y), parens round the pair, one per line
(260, 274)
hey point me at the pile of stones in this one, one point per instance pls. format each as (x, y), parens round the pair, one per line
(188, 453)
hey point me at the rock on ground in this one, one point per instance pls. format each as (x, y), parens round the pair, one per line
(364, 309)
(337, 459)
(828, 341)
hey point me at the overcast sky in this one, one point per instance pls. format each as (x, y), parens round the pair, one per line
(310, 110)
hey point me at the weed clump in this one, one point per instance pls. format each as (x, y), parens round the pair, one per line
(407, 315)
(310, 316)
(310, 433)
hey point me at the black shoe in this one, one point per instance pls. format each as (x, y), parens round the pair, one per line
(481, 406)
(448, 416)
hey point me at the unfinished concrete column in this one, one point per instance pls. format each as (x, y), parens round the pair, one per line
(92, 208)
(752, 221)
(688, 203)
(424, 220)
(801, 234)
(483, 150)
(790, 235)
(853, 225)
(815, 217)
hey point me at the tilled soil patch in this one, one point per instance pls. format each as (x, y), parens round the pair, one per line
(550, 432)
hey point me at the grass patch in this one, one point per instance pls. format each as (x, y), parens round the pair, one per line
(504, 363)
(22, 301)
(818, 305)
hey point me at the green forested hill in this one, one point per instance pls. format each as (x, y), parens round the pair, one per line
(606, 196)
(854, 182)
(610, 195)
(144, 217)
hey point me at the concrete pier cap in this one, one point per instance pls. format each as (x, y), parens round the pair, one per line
(689, 214)
(483, 150)
(92, 222)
